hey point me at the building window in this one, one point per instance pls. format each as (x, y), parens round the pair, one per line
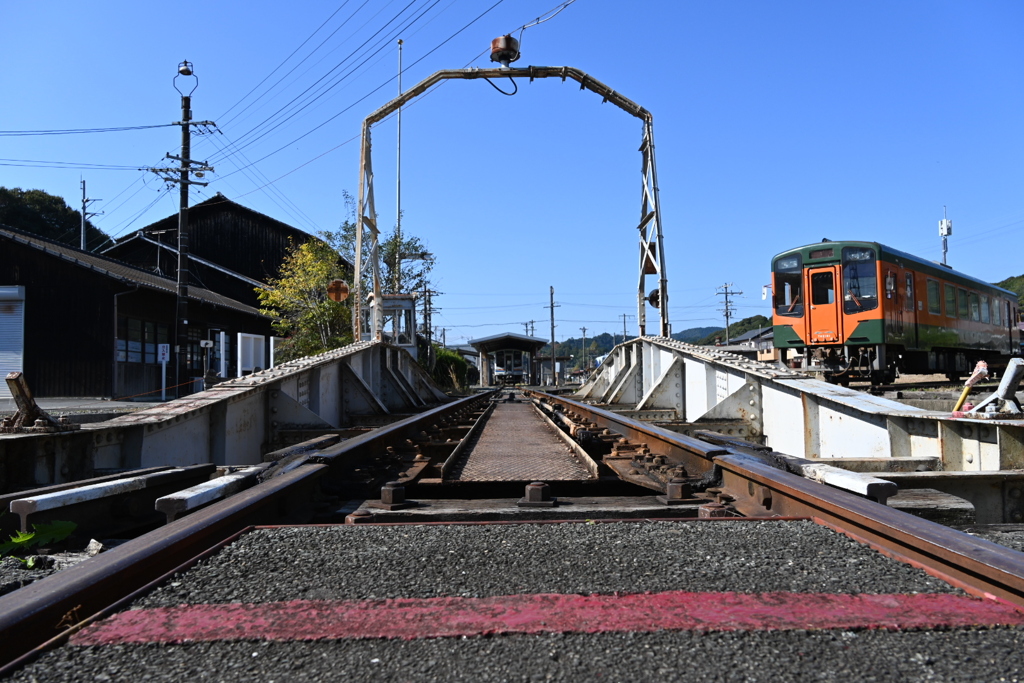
(137, 340)
(134, 340)
(150, 347)
(934, 303)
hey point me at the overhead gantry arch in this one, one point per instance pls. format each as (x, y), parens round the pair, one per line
(652, 252)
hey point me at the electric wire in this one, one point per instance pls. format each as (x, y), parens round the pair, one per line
(75, 131)
(242, 117)
(33, 163)
(293, 53)
(382, 85)
(284, 114)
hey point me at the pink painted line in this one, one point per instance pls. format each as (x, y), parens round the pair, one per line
(544, 613)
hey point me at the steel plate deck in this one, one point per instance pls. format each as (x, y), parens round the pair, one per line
(517, 445)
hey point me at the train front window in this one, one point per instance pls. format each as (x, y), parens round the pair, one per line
(860, 280)
(788, 294)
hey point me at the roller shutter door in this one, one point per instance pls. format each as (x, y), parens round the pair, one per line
(12, 334)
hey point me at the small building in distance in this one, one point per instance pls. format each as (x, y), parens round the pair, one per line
(509, 358)
(83, 324)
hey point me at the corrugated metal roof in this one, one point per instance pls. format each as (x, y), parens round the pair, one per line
(120, 271)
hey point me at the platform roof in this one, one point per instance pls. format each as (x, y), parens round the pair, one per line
(508, 340)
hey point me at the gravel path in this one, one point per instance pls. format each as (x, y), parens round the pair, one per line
(775, 656)
(368, 562)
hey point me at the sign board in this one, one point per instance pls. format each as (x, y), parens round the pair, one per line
(163, 353)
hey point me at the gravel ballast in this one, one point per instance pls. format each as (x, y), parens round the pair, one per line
(374, 562)
(777, 656)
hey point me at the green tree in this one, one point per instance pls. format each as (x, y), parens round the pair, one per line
(49, 216)
(737, 328)
(450, 369)
(1014, 284)
(297, 301)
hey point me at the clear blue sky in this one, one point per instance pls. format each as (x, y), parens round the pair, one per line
(777, 124)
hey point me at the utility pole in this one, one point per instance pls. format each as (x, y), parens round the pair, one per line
(398, 188)
(86, 213)
(728, 307)
(584, 348)
(553, 306)
(624, 327)
(181, 175)
(526, 328)
(531, 327)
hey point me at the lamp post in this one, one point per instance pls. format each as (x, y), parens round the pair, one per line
(184, 69)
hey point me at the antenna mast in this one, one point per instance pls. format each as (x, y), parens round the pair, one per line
(945, 230)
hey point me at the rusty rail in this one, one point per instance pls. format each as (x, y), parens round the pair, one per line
(40, 611)
(753, 485)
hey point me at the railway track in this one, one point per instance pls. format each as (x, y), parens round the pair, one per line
(655, 540)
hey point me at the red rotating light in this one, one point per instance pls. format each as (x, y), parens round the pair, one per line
(505, 50)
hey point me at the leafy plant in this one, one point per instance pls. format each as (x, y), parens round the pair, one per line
(21, 542)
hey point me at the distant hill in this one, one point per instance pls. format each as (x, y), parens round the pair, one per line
(1014, 284)
(695, 334)
(737, 328)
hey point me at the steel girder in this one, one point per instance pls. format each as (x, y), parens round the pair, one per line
(652, 252)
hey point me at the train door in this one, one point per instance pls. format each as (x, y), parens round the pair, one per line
(824, 319)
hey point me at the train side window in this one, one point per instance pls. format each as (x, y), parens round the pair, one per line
(934, 296)
(963, 306)
(860, 279)
(984, 309)
(788, 296)
(996, 306)
(950, 301)
(823, 289)
(908, 304)
(972, 298)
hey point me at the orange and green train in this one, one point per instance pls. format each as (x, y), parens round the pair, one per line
(862, 310)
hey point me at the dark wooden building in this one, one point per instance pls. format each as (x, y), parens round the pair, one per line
(232, 248)
(82, 324)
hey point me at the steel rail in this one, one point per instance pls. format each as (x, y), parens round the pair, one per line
(755, 487)
(376, 442)
(35, 614)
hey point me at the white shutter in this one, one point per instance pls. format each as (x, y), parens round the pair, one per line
(12, 334)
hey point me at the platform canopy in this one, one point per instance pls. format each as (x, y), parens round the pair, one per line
(508, 341)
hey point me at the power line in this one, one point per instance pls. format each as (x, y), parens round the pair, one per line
(385, 43)
(75, 131)
(33, 163)
(382, 85)
(285, 60)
